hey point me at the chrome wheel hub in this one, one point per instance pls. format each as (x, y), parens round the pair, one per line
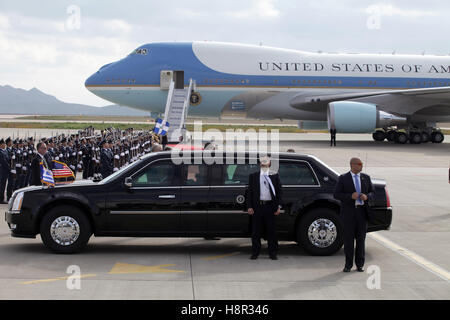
(322, 233)
(65, 230)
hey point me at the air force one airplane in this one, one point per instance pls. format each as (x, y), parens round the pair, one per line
(396, 97)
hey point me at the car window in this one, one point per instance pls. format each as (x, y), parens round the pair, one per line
(156, 175)
(238, 173)
(195, 175)
(296, 174)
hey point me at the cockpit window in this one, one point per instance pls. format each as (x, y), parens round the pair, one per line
(142, 51)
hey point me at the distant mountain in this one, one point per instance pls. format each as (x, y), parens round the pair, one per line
(34, 101)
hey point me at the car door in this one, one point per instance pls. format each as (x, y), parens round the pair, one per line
(151, 204)
(194, 198)
(299, 183)
(226, 214)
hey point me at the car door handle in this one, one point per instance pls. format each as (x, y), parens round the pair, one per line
(166, 196)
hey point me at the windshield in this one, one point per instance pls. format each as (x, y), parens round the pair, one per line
(141, 51)
(119, 172)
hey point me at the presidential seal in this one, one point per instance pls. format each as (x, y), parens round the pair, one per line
(240, 199)
(195, 99)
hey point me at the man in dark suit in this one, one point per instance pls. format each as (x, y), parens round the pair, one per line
(354, 189)
(263, 204)
(333, 137)
(35, 164)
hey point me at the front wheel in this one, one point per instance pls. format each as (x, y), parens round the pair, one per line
(65, 229)
(320, 232)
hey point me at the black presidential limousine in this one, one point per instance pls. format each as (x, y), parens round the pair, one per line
(204, 196)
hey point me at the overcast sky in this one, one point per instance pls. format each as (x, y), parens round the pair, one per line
(55, 45)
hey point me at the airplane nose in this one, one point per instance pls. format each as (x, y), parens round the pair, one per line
(92, 80)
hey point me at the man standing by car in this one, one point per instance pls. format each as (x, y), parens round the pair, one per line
(263, 204)
(354, 189)
(35, 164)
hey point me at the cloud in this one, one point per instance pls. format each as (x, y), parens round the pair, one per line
(260, 9)
(4, 22)
(390, 10)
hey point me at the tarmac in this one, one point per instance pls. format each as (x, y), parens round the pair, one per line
(409, 261)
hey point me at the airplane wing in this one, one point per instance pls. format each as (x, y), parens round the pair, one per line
(423, 101)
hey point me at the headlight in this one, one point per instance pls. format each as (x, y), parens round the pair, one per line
(17, 205)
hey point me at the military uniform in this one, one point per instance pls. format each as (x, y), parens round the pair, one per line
(4, 169)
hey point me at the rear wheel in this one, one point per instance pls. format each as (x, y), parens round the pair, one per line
(320, 232)
(65, 229)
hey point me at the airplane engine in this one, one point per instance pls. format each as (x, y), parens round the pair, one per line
(359, 117)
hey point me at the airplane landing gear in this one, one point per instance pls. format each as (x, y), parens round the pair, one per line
(379, 135)
(437, 137)
(414, 136)
(400, 137)
(390, 135)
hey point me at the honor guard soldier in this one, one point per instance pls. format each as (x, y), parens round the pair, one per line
(86, 158)
(10, 186)
(106, 160)
(21, 173)
(4, 170)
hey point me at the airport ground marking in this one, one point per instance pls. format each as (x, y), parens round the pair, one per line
(221, 256)
(127, 268)
(412, 256)
(57, 279)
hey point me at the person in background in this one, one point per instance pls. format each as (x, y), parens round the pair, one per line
(4, 170)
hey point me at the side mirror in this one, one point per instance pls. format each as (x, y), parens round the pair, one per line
(128, 181)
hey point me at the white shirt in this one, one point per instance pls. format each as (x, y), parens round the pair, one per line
(265, 183)
(358, 176)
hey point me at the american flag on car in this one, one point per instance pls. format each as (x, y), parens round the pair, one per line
(61, 170)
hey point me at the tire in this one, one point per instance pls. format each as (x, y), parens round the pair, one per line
(390, 135)
(425, 137)
(401, 137)
(379, 135)
(73, 232)
(437, 137)
(415, 138)
(318, 243)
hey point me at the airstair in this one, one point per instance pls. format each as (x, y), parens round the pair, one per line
(177, 104)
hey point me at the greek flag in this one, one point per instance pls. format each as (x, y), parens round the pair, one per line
(47, 176)
(161, 127)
